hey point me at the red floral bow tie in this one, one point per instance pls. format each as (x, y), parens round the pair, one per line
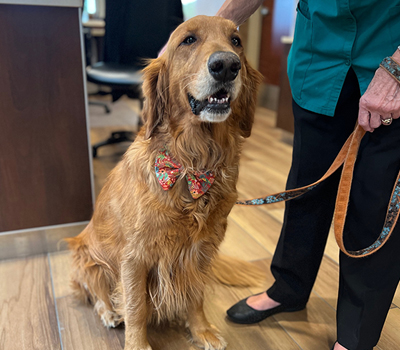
(168, 170)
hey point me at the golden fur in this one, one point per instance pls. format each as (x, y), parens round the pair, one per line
(147, 253)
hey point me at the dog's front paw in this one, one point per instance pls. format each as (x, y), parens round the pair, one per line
(109, 318)
(209, 339)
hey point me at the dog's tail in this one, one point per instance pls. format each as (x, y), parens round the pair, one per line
(237, 273)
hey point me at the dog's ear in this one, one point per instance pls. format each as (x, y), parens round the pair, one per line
(245, 107)
(155, 92)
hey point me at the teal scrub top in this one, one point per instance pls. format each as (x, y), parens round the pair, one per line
(330, 37)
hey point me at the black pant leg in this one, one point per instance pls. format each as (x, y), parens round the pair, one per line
(317, 141)
(367, 285)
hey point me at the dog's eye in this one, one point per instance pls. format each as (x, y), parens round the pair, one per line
(236, 41)
(189, 40)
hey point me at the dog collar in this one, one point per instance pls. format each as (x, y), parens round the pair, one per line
(168, 170)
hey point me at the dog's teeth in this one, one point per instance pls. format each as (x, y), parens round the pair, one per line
(222, 100)
(218, 100)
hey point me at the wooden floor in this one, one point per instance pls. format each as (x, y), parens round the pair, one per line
(37, 311)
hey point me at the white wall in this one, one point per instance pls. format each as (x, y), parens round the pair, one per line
(193, 8)
(294, 16)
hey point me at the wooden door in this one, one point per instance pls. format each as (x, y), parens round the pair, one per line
(276, 23)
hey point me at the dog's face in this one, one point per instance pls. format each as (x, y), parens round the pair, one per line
(208, 55)
(203, 73)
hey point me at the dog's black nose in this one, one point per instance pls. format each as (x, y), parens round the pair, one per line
(224, 66)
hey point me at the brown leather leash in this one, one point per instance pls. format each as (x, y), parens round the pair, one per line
(347, 156)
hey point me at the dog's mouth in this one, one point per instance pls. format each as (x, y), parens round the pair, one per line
(217, 103)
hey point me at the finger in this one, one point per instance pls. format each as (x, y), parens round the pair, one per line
(388, 118)
(395, 115)
(375, 120)
(363, 119)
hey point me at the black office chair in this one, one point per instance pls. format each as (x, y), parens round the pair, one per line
(135, 30)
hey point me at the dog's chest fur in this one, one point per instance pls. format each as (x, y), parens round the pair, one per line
(178, 236)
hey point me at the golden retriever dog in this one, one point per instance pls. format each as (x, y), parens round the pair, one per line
(152, 244)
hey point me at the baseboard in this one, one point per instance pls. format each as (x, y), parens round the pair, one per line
(23, 243)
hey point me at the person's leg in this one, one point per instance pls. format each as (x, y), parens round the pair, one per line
(367, 285)
(307, 219)
(317, 141)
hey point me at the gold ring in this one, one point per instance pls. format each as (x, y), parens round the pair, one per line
(386, 121)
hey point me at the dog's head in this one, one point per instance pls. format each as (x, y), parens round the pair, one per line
(204, 75)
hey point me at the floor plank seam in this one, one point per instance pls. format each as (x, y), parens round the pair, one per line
(314, 292)
(55, 301)
(272, 217)
(255, 238)
(281, 326)
(261, 259)
(328, 257)
(289, 335)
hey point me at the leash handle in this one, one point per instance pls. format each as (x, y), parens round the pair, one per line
(346, 156)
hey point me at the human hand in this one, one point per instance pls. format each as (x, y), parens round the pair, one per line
(380, 101)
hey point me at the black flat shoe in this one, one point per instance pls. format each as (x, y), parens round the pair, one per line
(244, 314)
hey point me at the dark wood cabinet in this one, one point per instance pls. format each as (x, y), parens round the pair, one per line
(45, 164)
